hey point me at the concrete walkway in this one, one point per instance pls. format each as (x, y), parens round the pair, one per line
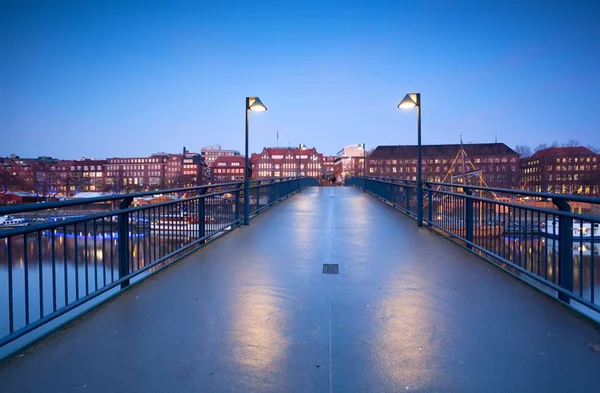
(253, 312)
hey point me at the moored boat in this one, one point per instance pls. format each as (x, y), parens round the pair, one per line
(7, 222)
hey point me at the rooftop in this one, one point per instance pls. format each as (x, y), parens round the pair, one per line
(472, 149)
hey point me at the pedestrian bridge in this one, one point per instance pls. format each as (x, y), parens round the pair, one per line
(254, 312)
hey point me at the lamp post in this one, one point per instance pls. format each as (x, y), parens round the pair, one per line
(300, 148)
(412, 100)
(252, 104)
(364, 166)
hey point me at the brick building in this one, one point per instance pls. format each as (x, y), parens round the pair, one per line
(497, 163)
(227, 169)
(194, 170)
(562, 170)
(287, 162)
(70, 177)
(328, 168)
(211, 153)
(124, 174)
(349, 162)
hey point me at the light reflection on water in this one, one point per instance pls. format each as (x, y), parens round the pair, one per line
(71, 267)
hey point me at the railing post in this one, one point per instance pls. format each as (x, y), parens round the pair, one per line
(565, 252)
(123, 245)
(257, 196)
(237, 205)
(201, 214)
(469, 218)
(429, 202)
(407, 196)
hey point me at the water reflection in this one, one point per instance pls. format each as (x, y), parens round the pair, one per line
(53, 270)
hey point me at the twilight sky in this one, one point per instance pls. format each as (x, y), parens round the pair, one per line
(104, 79)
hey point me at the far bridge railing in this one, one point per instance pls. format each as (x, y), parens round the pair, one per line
(554, 246)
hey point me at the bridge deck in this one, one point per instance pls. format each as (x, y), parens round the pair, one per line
(409, 311)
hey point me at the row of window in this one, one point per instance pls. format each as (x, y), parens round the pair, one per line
(133, 160)
(565, 160)
(229, 170)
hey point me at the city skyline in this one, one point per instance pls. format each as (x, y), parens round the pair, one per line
(116, 80)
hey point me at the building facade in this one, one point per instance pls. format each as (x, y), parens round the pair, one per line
(194, 170)
(135, 173)
(211, 153)
(328, 168)
(287, 162)
(562, 170)
(77, 176)
(491, 164)
(227, 169)
(350, 162)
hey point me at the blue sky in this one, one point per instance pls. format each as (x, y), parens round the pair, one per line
(104, 79)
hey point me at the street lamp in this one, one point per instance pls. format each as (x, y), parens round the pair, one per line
(412, 100)
(300, 148)
(252, 104)
(362, 145)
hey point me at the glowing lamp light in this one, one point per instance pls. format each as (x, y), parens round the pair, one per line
(256, 105)
(409, 101)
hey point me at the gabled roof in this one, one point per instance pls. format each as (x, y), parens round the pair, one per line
(228, 160)
(563, 151)
(472, 149)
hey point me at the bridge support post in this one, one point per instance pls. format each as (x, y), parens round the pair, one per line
(202, 214)
(469, 218)
(429, 202)
(237, 205)
(257, 196)
(565, 252)
(123, 244)
(407, 197)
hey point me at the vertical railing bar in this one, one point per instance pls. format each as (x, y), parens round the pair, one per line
(103, 251)
(40, 273)
(95, 256)
(26, 277)
(65, 265)
(11, 322)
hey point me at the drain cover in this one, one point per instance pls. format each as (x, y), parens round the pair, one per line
(331, 268)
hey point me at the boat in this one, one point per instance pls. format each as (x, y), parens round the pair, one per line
(579, 248)
(479, 231)
(12, 222)
(581, 230)
(456, 226)
(172, 225)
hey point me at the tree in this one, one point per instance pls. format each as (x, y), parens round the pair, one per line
(523, 150)
(116, 183)
(571, 143)
(594, 149)
(9, 181)
(539, 147)
(555, 144)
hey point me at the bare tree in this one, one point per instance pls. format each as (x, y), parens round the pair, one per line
(116, 183)
(571, 143)
(523, 150)
(555, 144)
(10, 182)
(594, 149)
(541, 146)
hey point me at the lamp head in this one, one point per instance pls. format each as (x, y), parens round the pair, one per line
(256, 105)
(361, 146)
(303, 146)
(409, 101)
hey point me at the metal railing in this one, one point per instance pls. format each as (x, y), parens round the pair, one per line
(538, 237)
(60, 262)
